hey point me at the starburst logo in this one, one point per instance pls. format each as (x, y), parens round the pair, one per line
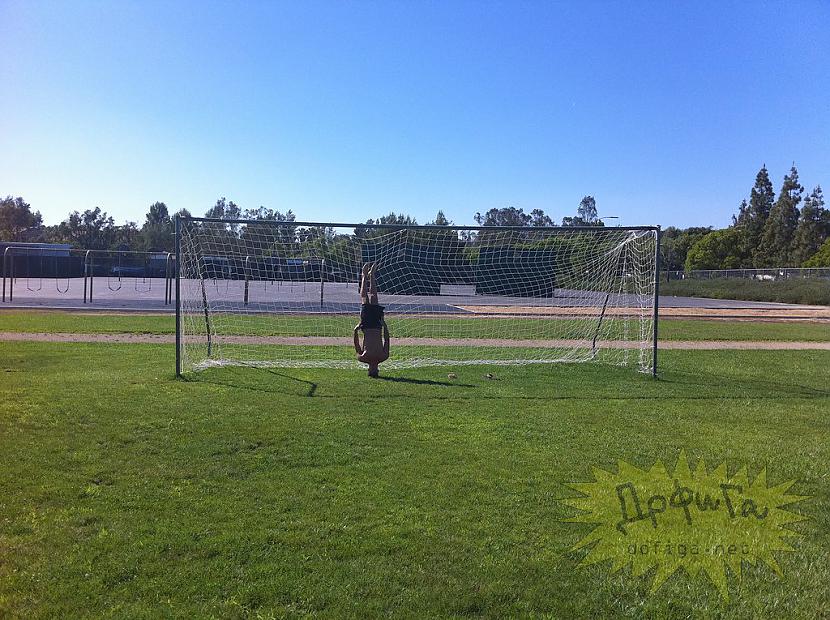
(690, 519)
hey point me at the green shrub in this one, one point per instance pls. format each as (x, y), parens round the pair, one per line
(790, 291)
(820, 258)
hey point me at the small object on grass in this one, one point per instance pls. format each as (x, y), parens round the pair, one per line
(489, 375)
(452, 375)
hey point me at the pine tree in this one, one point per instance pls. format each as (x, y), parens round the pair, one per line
(440, 220)
(742, 225)
(776, 246)
(813, 227)
(743, 214)
(753, 216)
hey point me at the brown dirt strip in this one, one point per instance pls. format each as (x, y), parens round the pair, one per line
(818, 314)
(438, 342)
(806, 313)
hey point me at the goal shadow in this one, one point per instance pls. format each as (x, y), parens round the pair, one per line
(256, 379)
(425, 382)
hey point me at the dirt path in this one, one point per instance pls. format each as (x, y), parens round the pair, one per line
(439, 342)
(805, 313)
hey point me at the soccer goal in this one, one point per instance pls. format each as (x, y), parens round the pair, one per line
(285, 294)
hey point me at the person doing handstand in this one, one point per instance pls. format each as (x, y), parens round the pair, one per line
(375, 347)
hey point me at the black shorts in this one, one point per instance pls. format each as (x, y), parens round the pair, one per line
(371, 316)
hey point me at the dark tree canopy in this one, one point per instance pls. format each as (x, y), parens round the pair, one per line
(717, 250)
(766, 232)
(752, 216)
(821, 258)
(506, 216)
(93, 230)
(224, 210)
(539, 218)
(813, 227)
(588, 210)
(17, 221)
(675, 244)
(776, 244)
(440, 220)
(586, 214)
(157, 231)
(391, 218)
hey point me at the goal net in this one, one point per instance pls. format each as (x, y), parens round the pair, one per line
(286, 294)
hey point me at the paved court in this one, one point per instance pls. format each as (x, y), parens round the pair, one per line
(148, 295)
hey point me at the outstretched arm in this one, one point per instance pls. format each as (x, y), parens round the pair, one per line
(357, 346)
(385, 338)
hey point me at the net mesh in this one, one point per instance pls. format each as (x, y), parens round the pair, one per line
(287, 295)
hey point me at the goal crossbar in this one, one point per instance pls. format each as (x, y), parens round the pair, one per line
(214, 220)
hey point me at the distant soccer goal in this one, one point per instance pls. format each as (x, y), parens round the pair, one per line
(285, 294)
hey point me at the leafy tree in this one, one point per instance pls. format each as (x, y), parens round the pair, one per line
(587, 210)
(361, 231)
(586, 214)
(506, 216)
(127, 237)
(397, 219)
(675, 244)
(720, 249)
(158, 215)
(51, 234)
(539, 218)
(776, 246)
(92, 230)
(17, 222)
(813, 227)
(157, 231)
(226, 210)
(820, 258)
(281, 234)
(509, 216)
(752, 217)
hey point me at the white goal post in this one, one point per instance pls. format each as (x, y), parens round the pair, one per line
(285, 294)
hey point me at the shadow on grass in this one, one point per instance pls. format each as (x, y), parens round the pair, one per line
(261, 380)
(425, 382)
(673, 384)
(254, 379)
(748, 388)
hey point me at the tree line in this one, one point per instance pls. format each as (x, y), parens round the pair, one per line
(787, 230)
(94, 229)
(767, 231)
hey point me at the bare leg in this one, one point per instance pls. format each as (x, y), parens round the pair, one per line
(373, 284)
(364, 284)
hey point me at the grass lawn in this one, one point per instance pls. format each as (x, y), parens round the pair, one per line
(271, 493)
(670, 329)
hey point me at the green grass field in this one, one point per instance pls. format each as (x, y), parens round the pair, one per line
(270, 493)
(670, 329)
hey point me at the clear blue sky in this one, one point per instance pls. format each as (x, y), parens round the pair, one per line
(663, 111)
